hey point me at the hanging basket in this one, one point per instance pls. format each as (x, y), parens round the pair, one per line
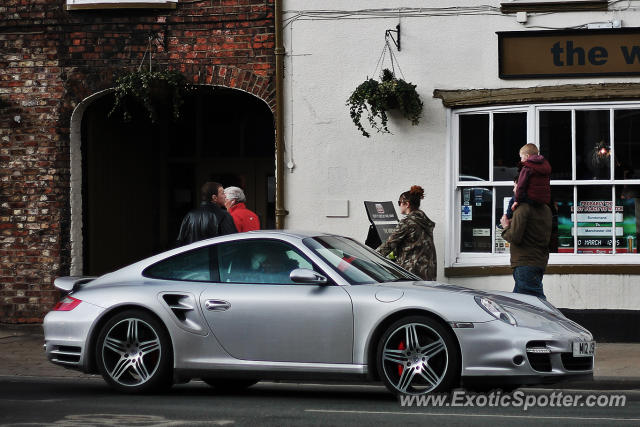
(379, 97)
(157, 91)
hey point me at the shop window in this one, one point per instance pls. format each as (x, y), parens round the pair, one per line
(509, 134)
(555, 141)
(594, 152)
(594, 220)
(592, 145)
(474, 156)
(627, 218)
(477, 206)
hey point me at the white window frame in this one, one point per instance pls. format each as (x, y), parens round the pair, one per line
(453, 256)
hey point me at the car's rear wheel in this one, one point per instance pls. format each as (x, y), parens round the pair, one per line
(133, 353)
(417, 355)
(230, 384)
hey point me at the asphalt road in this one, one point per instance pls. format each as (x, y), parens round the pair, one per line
(32, 401)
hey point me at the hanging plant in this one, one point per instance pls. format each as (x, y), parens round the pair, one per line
(155, 90)
(376, 98)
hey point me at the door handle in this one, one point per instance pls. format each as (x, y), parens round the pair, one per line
(217, 305)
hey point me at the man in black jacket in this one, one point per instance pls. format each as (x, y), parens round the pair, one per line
(208, 219)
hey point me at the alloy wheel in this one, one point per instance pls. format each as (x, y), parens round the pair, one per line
(131, 352)
(415, 357)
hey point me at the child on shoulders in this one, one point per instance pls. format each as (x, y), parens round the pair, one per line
(533, 182)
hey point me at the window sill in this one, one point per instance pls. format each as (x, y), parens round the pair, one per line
(502, 270)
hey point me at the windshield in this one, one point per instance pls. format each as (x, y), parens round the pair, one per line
(358, 264)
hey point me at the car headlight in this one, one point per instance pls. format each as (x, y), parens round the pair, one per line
(496, 310)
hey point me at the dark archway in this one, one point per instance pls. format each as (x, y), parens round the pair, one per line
(140, 178)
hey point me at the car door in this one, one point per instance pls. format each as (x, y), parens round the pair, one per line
(257, 313)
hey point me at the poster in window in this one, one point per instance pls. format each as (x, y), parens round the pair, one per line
(476, 218)
(596, 226)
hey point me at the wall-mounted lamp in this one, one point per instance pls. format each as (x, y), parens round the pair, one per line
(17, 119)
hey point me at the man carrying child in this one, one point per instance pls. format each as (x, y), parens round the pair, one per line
(529, 228)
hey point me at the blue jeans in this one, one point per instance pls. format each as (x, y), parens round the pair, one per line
(509, 212)
(528, 281)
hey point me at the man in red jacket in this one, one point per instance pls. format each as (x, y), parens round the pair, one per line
(244, 219)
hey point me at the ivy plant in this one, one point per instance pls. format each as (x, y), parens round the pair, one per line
(377, 97)
(155, 90)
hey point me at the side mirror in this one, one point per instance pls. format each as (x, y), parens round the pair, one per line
(310, 277)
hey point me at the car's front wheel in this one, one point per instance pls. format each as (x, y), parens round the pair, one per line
(133, 352)
(417, 355)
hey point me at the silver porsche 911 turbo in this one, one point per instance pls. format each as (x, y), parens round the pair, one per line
(282, 305)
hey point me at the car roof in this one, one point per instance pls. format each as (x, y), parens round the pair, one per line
(283, 234)
(293, 233)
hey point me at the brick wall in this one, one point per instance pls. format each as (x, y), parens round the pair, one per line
(50, 60)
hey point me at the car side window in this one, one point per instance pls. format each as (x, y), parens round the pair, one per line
(194, 265)
(259, 261)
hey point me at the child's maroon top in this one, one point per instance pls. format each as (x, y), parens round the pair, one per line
(534, 180)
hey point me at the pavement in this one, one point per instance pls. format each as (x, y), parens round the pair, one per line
(617, 365)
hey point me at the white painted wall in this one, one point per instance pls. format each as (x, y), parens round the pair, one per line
(576, 291)
(327, 57)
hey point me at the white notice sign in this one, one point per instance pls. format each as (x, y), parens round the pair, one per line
(481, 232)
(596, 217)
(597, 231)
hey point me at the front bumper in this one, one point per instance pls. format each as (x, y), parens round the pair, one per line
(66, 335)
(496, 350)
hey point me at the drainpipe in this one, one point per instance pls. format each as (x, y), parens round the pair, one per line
(281, 212)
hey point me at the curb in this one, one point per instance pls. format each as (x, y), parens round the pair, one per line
(606, 383)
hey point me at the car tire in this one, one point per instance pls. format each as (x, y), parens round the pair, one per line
(133, 353)
(418, 355)
(232, 385)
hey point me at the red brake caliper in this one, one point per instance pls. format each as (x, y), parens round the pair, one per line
(400, 367)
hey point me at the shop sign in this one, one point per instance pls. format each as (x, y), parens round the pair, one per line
(383, 218)
(575, 53)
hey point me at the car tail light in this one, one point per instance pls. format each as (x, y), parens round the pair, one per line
(67, 303)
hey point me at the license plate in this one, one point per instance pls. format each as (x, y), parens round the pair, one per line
(584, 348)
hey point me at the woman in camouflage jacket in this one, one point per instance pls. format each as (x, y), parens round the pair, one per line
(412, 240)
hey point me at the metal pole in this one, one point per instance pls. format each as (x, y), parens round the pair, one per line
(281, 212)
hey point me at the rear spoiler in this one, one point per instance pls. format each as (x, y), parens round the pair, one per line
(71, 283)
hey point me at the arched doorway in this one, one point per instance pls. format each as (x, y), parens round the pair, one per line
(140, 178)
